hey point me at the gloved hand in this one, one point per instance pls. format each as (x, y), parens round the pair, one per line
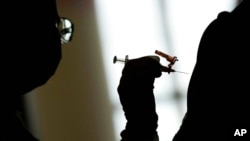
(137, 98)
(140, 71)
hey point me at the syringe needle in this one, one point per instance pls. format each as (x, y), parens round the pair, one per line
(169, 70)
(180, 72)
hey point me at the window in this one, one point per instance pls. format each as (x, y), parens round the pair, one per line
(137, 28)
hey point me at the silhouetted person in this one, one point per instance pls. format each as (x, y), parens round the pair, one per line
(218, 94)
(217, 99)
(30, 54)
(137, 98)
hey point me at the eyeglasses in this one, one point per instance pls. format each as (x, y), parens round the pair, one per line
(66, 29)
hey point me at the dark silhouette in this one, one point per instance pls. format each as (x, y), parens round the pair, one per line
(218, 98)
(137, 98)
(30, 54)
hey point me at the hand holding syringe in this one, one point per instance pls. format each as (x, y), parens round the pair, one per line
(169, 58)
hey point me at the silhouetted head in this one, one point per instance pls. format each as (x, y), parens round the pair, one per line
(31, 45)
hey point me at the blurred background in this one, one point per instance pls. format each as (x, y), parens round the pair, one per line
(80, 102)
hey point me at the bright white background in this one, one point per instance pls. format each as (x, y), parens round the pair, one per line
(137, 28)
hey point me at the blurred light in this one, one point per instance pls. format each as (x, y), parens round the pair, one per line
(136, 28)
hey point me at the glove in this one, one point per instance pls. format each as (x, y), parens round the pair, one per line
(137, 98)
(141, 71)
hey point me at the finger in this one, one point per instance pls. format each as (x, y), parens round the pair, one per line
(144, 66)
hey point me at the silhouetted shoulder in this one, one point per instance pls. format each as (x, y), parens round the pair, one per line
(223, 14)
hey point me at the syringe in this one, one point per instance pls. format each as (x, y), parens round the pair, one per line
(163, 69)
